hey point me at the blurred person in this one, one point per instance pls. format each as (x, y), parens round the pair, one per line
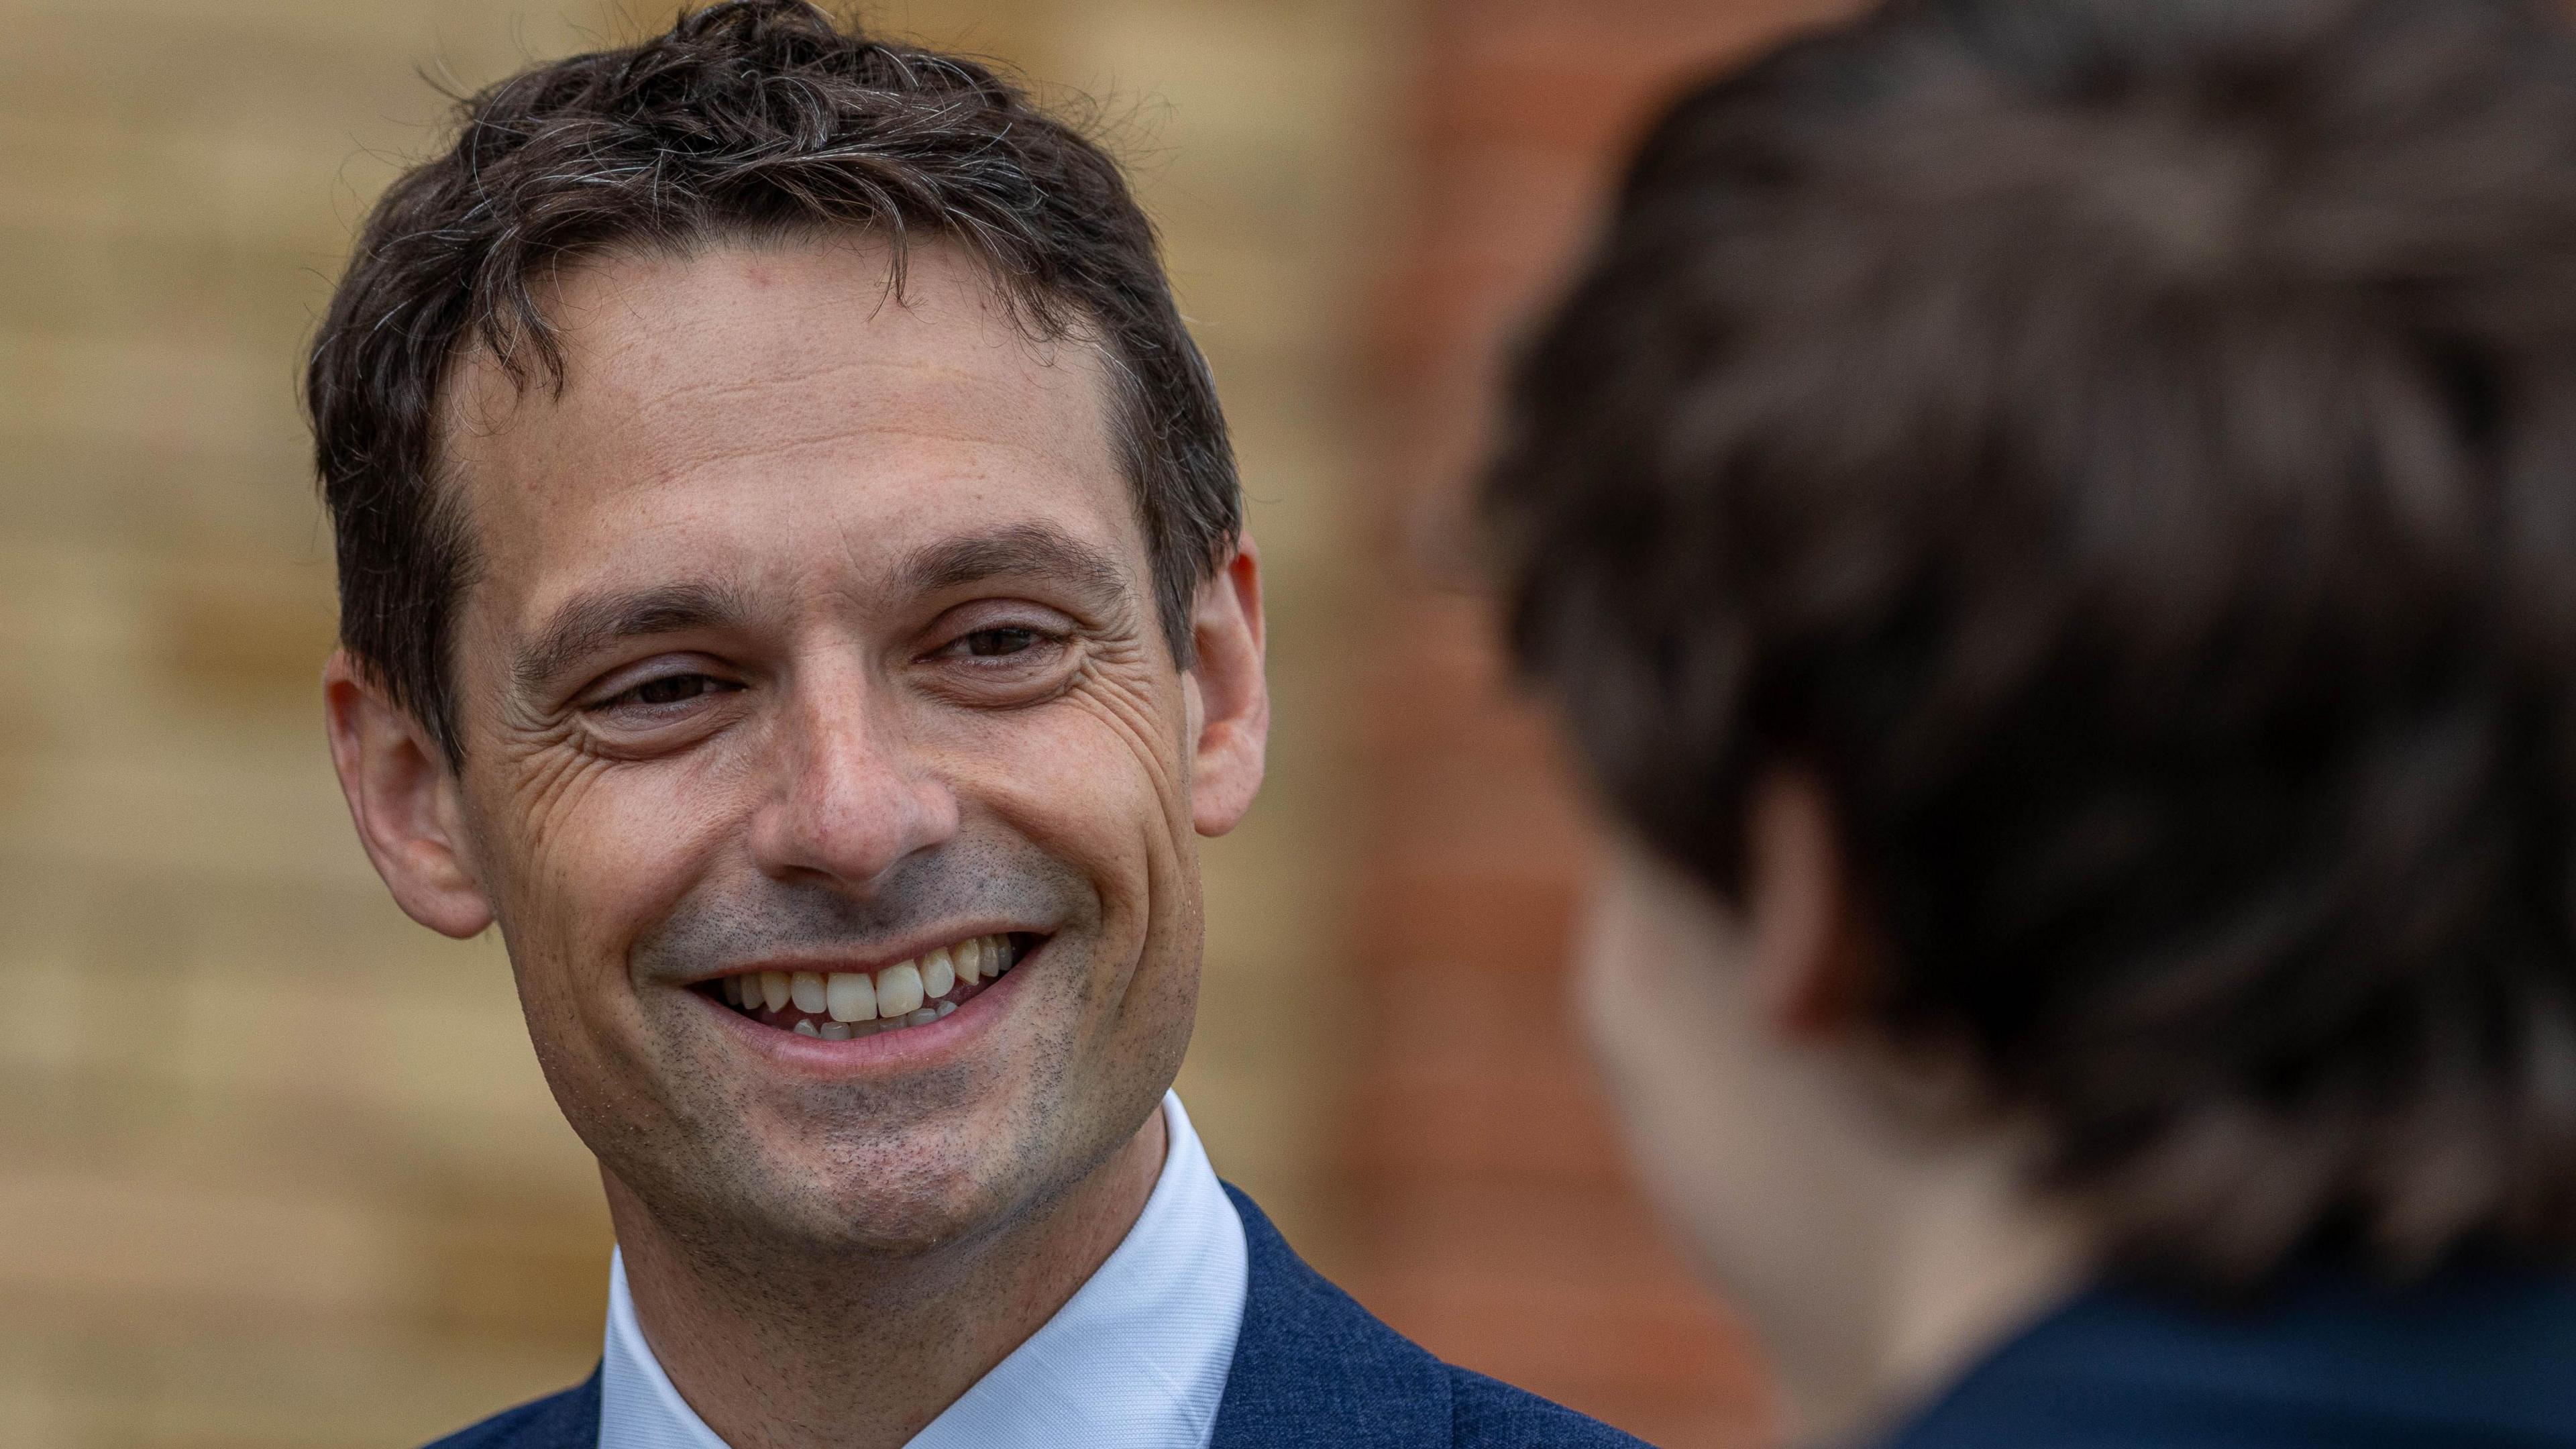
(793, 584)
(2052, 525)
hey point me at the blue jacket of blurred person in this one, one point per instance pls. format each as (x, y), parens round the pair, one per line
(2052, 524)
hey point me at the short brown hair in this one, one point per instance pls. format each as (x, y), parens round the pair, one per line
(756, 119)
(2127, 452)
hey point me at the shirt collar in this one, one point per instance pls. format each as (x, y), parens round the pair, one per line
(1137, 1358)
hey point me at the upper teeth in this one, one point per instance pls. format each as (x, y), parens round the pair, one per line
(905, 989)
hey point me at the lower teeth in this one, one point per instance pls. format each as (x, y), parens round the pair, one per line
(850, 1030)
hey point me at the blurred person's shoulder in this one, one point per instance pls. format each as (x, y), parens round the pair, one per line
(2470, 1357)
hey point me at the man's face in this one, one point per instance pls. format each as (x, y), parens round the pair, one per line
(813, 634)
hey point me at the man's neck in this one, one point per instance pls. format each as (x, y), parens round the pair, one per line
(863, 1354)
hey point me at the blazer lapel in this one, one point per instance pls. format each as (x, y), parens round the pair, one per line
(569, 1420)
(1313, 1367)
(574, 1422)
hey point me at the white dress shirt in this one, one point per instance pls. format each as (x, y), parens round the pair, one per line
(1136, 1359)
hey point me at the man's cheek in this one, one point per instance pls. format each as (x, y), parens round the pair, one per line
(1123, 713)
(608, 833)
(1080, 793)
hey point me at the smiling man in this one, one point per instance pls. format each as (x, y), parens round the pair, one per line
(792, 584)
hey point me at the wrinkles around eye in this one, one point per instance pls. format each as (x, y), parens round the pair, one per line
(1004, 664)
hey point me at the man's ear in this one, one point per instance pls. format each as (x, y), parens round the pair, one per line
(1812, 957)
(405, 801)
(1229, 698)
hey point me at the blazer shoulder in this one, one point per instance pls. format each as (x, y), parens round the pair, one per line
(1490, 1414)
(1313, 1367)
(568, 1420)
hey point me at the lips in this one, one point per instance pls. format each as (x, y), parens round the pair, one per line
(845, 1005)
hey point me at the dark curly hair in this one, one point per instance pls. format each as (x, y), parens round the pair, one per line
(760, 120)
(2127, 453)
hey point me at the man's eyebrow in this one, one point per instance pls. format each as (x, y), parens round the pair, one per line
(1019, 548)
(587, 623)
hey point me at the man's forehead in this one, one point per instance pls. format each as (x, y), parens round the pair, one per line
(735, 345)
(766, 402)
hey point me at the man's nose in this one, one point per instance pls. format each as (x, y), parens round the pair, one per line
(850, 801)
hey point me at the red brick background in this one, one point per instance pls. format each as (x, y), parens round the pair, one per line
(389, 1232)
(1493, 1218)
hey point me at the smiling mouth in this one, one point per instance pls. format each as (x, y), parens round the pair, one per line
(845, 1005)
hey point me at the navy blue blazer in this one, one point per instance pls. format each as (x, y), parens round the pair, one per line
(2468, 1360)
(1311, 1367)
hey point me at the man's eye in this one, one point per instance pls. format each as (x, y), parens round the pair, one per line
(669, 689)
(995, 643)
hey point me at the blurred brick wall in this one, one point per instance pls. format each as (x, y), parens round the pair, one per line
(276, 1166)
(1491, 1217)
